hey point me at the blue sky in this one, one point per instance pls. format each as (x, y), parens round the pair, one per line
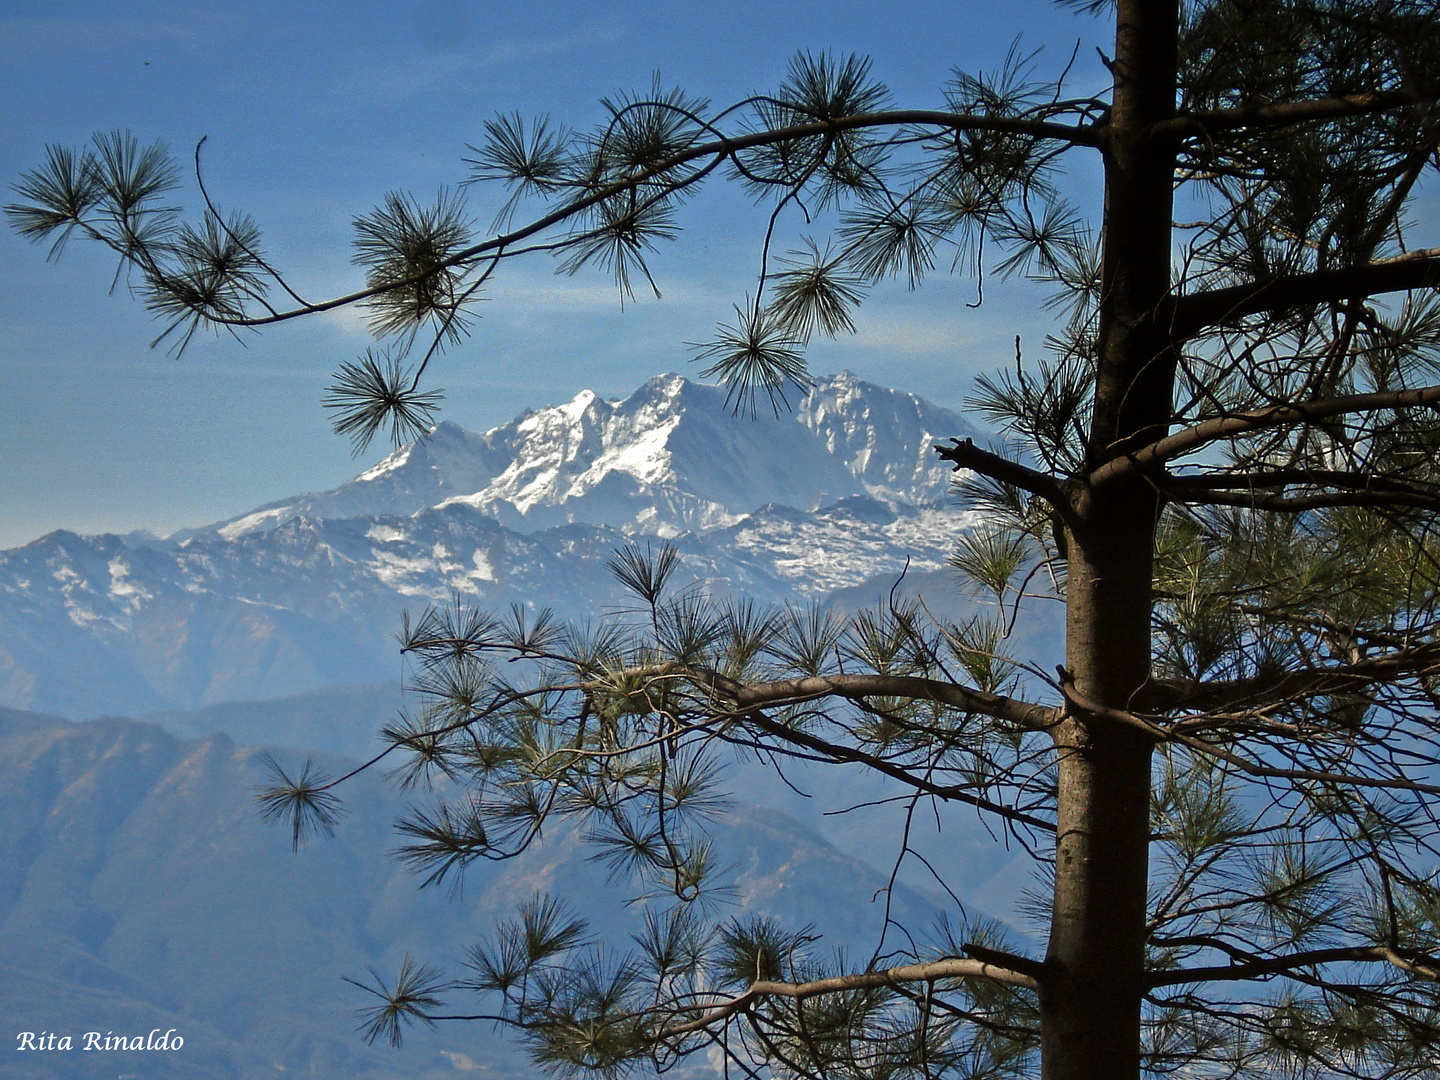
(314, 111)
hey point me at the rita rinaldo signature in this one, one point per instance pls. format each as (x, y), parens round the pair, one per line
(156, 1039)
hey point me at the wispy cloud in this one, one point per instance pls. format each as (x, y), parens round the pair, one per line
(518, 298)
(414, 72)
(349, 322)
(912, 330)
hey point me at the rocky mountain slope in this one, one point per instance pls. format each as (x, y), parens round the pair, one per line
(307, 593)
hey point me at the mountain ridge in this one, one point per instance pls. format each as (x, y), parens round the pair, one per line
(305, 594)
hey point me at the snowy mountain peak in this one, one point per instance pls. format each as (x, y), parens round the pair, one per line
(669, 458)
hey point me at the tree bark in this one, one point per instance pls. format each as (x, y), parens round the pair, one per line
(1091, 994)
(1094, 969)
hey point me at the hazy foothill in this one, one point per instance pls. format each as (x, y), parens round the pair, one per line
(1221, 467)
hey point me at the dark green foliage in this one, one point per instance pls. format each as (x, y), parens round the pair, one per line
(413, 997)
(407, 249)
(304, 802)
(376, 392)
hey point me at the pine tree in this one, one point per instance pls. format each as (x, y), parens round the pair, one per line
(1224, 467)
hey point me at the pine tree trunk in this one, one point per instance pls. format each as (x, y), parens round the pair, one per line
(1090, 1006)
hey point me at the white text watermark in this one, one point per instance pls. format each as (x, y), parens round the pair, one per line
(156, 1039)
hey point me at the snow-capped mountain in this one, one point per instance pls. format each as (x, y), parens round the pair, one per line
(307, 592)
(669, 458)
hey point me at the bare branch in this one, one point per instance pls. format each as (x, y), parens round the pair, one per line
(966, 455)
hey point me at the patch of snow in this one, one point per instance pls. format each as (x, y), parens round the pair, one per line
(576, 407)
(385, 534)
(386, 465)
(394, 569)
(121, 587)
(250, 522)
(479, 500)
(483, 571)
(646, 457)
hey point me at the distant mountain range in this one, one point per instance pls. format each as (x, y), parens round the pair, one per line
(307, 592)
(138, 888)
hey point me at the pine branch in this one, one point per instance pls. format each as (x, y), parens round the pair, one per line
(1206, 124)
(1026, 973)
(718, 150)
(1173, 733)
(1262, 479)
(1024, 714)
(1299, 504)
(840, 753)
(1345, 631)
(1194, 313)
(1193, 438)
(1264, 490)
(1422, 966)
(1269, 690)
